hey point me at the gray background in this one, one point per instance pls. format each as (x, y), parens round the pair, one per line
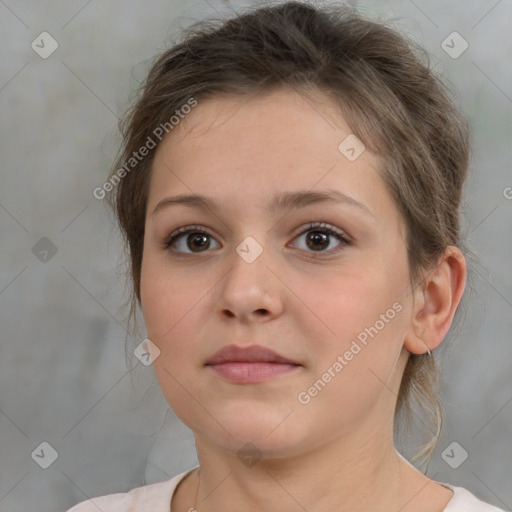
(64, 377)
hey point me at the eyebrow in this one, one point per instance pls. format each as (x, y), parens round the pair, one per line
(280, 202)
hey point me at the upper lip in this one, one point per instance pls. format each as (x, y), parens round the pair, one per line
(251, 354)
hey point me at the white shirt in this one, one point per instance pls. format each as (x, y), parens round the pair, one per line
(157, 498)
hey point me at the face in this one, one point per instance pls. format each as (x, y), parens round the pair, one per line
(322, 279)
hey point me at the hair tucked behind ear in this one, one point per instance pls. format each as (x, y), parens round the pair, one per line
(386, 92)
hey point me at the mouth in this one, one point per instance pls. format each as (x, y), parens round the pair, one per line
(250, 365)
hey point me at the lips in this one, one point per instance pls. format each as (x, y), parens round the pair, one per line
(252, 354)
(250, 365)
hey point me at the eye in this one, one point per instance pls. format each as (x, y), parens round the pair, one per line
(319, 238)
(197, 240)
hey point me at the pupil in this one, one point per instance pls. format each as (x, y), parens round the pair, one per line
(317, 237)
(202, 241)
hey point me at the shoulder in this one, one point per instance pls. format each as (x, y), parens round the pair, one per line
(465, 501)
(153, 497)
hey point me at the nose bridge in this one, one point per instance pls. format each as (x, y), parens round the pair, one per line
(249, 288)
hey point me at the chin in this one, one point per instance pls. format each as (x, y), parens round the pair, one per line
(256, 444)
(271, 436)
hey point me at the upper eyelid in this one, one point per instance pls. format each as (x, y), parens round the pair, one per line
(185, 230)
(320, 225)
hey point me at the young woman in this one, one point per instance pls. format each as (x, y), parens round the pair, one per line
(289, 189)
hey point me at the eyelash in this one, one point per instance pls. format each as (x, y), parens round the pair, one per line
(312, 226)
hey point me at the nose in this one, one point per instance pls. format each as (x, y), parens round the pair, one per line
(250, 292)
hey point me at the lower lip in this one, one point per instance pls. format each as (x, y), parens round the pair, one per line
(252, 372)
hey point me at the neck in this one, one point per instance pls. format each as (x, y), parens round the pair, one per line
(345, 474)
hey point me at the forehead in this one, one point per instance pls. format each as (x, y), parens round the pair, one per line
(248, 148)
(264, 124)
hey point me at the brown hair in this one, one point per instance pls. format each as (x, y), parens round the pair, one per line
(387, 93)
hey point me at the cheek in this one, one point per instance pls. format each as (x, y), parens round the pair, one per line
(171, 308)
(355, 360)
(163, 301)
(166, 293)
(175, 305)
(170, 314)
(363, 321)
(356, 300)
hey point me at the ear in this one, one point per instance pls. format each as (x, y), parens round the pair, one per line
(435, 302)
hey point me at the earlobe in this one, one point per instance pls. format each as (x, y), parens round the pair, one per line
(436, 302)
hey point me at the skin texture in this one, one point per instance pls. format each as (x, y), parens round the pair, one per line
(335, 452)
